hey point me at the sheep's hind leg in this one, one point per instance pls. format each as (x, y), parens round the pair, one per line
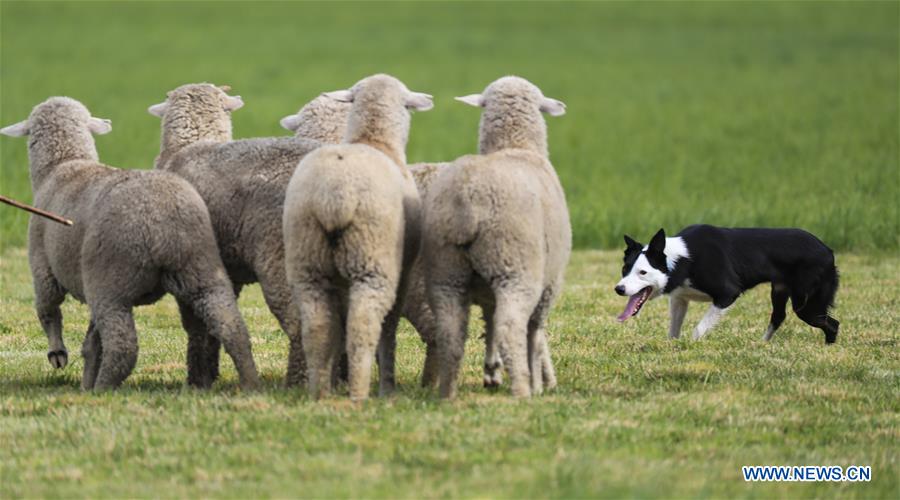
(118, 340)
(493, 364)
(368, 306)
(387, 353)
(91, 352)
(511, 324)
(419, 315)
(202, 350)
(277, 294)
(203, 288)
(547, 371)
(538, 350)
(48, 297)
(431, 366)
(321, 334)
(451, 310)
(448, 296)
(217, 308)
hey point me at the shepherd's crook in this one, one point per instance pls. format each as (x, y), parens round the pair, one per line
(37, 211)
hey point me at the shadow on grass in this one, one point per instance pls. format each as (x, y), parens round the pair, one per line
(60, 381)
(678, 379)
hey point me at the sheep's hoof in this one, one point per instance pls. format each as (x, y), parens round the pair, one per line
(58, 359)
(200, 381)
(492, 382)
(387, 390)
(251, 385)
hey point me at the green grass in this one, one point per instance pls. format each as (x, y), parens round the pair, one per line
(635, 414)
(766, 113)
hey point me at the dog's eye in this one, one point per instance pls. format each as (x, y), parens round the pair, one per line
(642, 272)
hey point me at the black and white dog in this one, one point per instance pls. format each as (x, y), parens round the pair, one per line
(713, 264)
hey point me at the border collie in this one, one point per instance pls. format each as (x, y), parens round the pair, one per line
(713, 264)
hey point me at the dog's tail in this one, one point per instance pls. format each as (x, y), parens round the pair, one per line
(829, 286)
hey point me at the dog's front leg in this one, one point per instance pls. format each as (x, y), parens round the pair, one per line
(712, 316)
(678, 307)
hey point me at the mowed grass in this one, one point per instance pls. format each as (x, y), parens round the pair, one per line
(729, 113)
(769, 113)
(635, 413)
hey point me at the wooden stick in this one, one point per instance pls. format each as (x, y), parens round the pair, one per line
(36, 211)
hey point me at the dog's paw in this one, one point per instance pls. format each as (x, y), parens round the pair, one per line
(58, 359)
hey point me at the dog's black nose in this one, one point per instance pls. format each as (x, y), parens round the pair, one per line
(620, 290)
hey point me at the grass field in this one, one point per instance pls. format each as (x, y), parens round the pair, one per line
(737, 113)
(769, 113)
(635, 414)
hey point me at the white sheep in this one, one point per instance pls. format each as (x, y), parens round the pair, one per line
(137, 235)
(497, 233)
(351, 225)
(243, 183)
(417, 311)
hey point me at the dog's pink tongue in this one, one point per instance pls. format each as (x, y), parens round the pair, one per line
(629, 307)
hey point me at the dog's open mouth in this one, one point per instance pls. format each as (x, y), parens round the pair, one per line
(635, 302)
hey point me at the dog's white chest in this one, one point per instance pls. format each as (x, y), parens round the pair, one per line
(686, 292)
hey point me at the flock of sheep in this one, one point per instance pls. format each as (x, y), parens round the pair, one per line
(342, 235)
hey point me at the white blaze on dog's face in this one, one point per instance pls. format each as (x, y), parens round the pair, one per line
(644, 275)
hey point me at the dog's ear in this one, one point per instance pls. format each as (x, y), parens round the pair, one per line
(632, 245)
(658, 242)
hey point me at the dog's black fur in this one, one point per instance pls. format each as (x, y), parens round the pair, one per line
(725, 262)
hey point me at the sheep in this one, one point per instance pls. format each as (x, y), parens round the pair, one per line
(418, 313)
(497, 233)
(351, 225)
(243, 183)
(324, 119)
(137, 235)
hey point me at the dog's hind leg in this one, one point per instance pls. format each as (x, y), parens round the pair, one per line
(712, 316)
(816, 315)
(831, 329)
(780, 295)
(678, 307)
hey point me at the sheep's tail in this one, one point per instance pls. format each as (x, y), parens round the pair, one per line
(335, 210)
(467, 215)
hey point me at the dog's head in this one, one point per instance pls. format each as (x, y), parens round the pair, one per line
(644, 273)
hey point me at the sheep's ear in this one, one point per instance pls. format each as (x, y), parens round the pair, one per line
(99, 126)
(225, 88)
(419, 101)
(339, 95)
(233, 103)
(476, 100)
(18, 130)
(290, 122)
(158, 109)
(553, 107)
